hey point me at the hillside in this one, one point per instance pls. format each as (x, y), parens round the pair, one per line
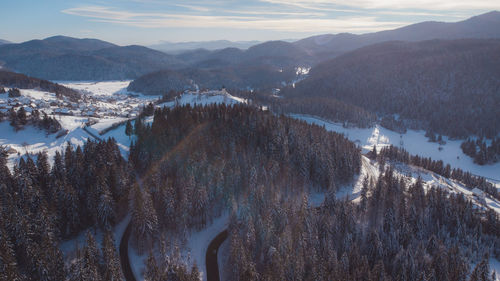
(16, 80)
(65, 58)
(4, 42)
(274, 53)
(450, 87)
(177, 47)
(231, 77)
(330, 45)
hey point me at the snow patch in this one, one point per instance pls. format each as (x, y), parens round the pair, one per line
(413, 141)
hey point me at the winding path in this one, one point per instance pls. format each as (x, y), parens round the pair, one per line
(124, 259)
(211, 256)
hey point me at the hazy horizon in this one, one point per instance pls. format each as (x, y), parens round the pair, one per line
(148, 22)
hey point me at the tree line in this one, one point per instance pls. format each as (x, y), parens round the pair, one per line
(438, 167)
(396, 231)
(197, 161)
(17, 80)
(40, 205)
(481, 152)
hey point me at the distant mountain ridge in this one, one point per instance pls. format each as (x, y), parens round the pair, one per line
(330, 45)
(4, 42)
(316, 49)
(66, 58)
(445, 86)
(17, 80)
(178, 47)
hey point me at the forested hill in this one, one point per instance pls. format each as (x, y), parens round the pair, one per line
(199, 161)
(17, 80)
(231, 77)
(482, 26)
(450, 87)
(66, 58)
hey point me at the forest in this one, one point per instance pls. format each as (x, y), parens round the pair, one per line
(19, 119)
(449, 87)
(17, 80)
(40, 205)
(195, 163)
(400, 155)
(481, 152)
(397, 231)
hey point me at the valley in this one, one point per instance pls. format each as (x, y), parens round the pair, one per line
(367, 156)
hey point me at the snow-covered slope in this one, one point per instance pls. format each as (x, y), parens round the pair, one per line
(205, 98)
(414, 142)
(34, 140)
(105, 103)
(106, 88)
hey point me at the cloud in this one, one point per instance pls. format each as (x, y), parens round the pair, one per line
(194, 7)
(251, 21)
(428, 5)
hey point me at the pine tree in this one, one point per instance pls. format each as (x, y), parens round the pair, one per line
(21, 116)
(129, 130)
(90, 260)
(482, 270)
(152, 271)
(105, 209)
(111, 264)
(8, 264)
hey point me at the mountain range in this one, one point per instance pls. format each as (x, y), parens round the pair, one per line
(330, 45)
(179, 47)
(66, 58)
(445, 86)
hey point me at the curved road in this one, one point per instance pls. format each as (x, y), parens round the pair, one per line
(211, 256)
(125, 261)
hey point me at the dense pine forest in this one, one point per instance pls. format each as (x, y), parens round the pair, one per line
(40, 205)
(193, 164)
(198, 161)
(18, 80)
(481, 152)
(19, 118)
(445, 86)
(398, 231)
(438, 167)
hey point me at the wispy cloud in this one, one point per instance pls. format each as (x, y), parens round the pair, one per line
(290, 24)
(429, 5)
(197, 8)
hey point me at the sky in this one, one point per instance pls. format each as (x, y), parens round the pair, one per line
(147, 22)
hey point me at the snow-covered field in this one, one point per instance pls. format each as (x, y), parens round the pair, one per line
(105, 103)
(109, 103)
(210, 97)
(33, 140)
(106, 88)
(414, 142)
(194, 251)
(68, 247)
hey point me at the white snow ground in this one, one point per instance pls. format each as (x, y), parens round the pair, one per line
(198, 242)
(414, 142)
(111, 97)
(205, 98)
(32, 140)
(105, 102)
(68, 247)
(495, 266)
(106, 88)
(194, 251)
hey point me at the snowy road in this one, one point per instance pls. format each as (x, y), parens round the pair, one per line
(124, 259)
